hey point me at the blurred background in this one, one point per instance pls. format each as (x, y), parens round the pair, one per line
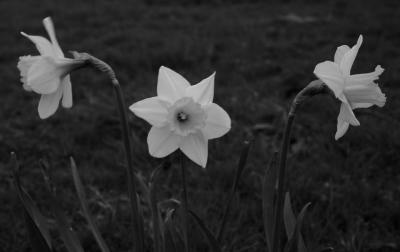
(264, 52)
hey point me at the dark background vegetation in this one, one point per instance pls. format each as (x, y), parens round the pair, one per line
(264, 52)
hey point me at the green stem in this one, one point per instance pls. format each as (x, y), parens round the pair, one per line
(315, 87)
(185, 204)
(281, 185)
(139, 241)
(138, 232)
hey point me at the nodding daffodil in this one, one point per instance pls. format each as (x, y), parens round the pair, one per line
(48, 73)
(354, 91)
(182, 116)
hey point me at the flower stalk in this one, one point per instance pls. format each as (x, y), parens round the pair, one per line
(313, 88)
(105, 68)
(185, 203)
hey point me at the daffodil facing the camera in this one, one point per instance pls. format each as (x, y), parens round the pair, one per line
(353, 90)
(48, 73)
(182, 116)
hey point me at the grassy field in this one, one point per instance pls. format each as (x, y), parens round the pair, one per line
(264, 53)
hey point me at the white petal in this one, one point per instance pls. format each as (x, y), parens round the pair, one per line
(330, 74)
(346, 114)
(365, 94)
(195, 147)
(66, 101)
(218, 122)
(171, 86)
(48, 25)
(162, 141)
(153, 110)
(44, 76)
(340, 51)
(24, 64)
(349, 57)
(342, 128)
(202, 92)
(42, 44)
(366, 78)
(48, 104)
(361, 105)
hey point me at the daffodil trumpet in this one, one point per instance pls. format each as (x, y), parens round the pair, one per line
(138, 240)
(355, 91)
(48, 74)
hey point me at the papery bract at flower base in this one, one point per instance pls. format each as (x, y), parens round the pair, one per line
(354, 91)
(48, 73)
(182, 116)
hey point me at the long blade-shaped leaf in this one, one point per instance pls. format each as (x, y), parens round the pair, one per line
(159, 240)
(38, 230)
(38, 242)
(268, 199)
(69, 238)
(207, 233)
(239, 170)
(82, 198)
(293, 227)
(288, 217)
(175, 238)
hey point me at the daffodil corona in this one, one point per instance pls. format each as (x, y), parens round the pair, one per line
(182, 116)
(354, 91)
(48, 73)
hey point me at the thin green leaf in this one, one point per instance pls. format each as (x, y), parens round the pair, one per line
(38, 229)
(288, 217)
(239, 170)
(268, 199)
(170, 240)
(296, 242)
(140, 221)
(159, 240)
(82, 198)
(171, 233)
(207, 233)
(69, 238)
(36, 238)
(142, 187)
(290, 223)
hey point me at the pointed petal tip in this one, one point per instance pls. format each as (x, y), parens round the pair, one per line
(47, 20)
(164, 68)
(132, 107)
(379, 69)
(44, 114)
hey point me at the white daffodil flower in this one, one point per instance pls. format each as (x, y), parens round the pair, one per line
(48, 73)
(354, 91)
(182, 116)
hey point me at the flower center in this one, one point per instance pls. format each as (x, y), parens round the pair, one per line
(182, 117)
(186, 116)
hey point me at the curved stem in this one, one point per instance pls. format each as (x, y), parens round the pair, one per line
(315, 87)
(138, 239)
(281, 183)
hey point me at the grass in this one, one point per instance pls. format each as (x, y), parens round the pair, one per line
(263, 57)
